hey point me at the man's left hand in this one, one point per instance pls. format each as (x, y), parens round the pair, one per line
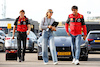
(84, 37)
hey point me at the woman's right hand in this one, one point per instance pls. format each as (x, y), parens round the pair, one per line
(53, 28)
(50, 26)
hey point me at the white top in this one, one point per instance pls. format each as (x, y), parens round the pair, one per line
(44, 25)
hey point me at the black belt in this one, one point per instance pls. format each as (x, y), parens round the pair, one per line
(20, 32)
(75, 25)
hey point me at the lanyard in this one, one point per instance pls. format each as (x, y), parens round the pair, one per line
(48, 22)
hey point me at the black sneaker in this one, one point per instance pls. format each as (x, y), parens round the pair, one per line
(23, 58)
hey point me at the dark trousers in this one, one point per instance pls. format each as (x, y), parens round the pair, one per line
(21, 36)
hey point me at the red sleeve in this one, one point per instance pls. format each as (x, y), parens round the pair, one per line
(84, 29)
(66, 27)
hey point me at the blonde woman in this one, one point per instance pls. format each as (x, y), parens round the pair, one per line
(48, 37)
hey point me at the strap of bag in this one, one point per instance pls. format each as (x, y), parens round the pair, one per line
(43, 22)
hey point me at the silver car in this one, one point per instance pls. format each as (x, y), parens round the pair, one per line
(2, 38)
(12, 43)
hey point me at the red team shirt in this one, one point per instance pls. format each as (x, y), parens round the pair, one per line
(21, 24)
(76, 25)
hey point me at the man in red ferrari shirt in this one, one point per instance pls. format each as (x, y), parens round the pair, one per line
(23, 25)
(77, 25)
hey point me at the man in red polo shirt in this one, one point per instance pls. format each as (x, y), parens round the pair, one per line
(77, 25)
(22, 24)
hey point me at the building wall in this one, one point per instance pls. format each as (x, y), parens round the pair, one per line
(5, 23)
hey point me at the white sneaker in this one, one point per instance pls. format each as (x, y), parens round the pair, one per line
(55, 63)
(73, 61)
(77, 62)
(45, 63)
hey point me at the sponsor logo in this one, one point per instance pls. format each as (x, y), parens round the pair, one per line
(79, 20)
(80, 16)
(18, 22)
(24, 19)
(71, 19)
(24, 22)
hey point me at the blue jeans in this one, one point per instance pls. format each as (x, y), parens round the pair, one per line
(75, 46)
(48, 38)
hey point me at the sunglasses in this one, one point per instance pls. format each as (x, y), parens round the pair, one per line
(50, 12)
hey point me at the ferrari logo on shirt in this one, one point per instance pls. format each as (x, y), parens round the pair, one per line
(80, 16)
(18, 22)
(71, 19)
(24, 19)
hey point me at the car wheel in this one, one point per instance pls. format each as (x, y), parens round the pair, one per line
(88, 51)
(33, 47)
(70, 58)
(2, 47)
(6, 57)
(38, 50)
(84, 54)
(31, 50)
(39, 57)
(84, 58)
(50, 58)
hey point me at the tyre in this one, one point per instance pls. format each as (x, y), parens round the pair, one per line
(84, 58)
(2, 47)
(50, 58)
(33, 46)
(6, 57)
(70, 58)
(31, 50)
(84, 53)
(88, 52)
(39, 57)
